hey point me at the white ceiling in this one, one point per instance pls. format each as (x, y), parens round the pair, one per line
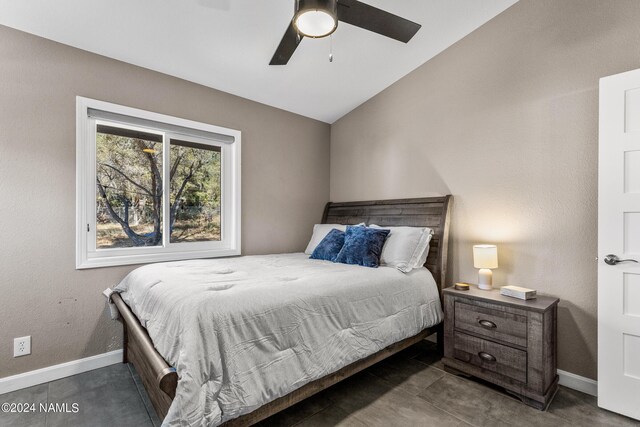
(227, 44)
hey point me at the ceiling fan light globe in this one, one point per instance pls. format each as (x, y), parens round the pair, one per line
(315, 23)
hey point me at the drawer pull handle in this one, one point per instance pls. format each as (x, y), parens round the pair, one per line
(487, 357)
(487, 324)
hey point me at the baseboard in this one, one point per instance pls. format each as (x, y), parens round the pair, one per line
(576, 382)
(52, 373)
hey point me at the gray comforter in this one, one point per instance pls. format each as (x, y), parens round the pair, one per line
(244, 331)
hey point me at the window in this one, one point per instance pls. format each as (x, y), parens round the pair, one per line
(153, 188)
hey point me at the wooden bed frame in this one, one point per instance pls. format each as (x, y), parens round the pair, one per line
(160, 379)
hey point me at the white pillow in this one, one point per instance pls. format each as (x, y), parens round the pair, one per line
(319, 233)
(406, 248)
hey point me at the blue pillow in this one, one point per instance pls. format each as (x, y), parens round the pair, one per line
(329, 247)
(362, 246)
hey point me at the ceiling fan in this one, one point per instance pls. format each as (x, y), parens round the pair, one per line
(319, 18)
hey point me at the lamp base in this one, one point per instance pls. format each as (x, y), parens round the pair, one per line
(485, 279)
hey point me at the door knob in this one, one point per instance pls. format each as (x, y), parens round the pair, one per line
(612, 259)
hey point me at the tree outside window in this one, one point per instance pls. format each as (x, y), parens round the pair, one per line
(129, 180)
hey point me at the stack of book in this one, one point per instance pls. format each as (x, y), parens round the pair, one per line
(518, 292)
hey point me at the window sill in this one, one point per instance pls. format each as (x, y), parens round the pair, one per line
(114, 261)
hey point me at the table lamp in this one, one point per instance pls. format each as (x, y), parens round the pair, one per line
(485, 257)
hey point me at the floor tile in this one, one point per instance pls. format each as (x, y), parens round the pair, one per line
(332, 417)
(480, 405)
(31, 397)
(299, 411)
(105, 397)
(428, 354)
(582, 409)
(408, 374)
(376, 403)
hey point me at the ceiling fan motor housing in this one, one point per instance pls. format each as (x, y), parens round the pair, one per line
(329, 7)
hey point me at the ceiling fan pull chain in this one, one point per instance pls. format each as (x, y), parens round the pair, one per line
(331, 48)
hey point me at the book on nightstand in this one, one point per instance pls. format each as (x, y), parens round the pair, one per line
(518, 292)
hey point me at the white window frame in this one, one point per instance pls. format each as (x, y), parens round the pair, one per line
(87, 255)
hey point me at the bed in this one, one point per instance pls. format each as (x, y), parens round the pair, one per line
(294, 297)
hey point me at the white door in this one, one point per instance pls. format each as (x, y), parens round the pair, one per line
(619, 238)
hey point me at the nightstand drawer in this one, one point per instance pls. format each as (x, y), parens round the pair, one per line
(495, 323)
(494, 357)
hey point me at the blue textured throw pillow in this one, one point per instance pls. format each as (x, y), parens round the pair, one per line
(362, 246)
(330, 246)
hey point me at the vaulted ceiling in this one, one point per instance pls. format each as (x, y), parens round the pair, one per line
(227, 44)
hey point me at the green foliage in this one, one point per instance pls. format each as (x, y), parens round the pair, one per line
(119, 158)
(129, 176)
(203, 189)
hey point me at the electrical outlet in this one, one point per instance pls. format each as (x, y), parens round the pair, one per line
(21, 346)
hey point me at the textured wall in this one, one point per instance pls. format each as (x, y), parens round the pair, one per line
(285, 184)
(506, 120)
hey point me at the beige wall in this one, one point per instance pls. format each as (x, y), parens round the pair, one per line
(506, 120)
(285, 184)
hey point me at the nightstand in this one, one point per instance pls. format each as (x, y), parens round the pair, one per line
(509, 342)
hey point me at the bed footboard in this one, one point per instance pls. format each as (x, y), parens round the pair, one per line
(159, 379)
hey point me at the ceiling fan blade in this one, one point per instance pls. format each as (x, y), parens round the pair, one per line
(377, 20)
(287, 46)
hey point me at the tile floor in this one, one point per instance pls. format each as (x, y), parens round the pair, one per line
(409, 389)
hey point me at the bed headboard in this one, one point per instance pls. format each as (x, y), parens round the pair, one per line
(432, 212)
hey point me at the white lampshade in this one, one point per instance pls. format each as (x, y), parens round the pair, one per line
(485, 256)
(315, 23)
